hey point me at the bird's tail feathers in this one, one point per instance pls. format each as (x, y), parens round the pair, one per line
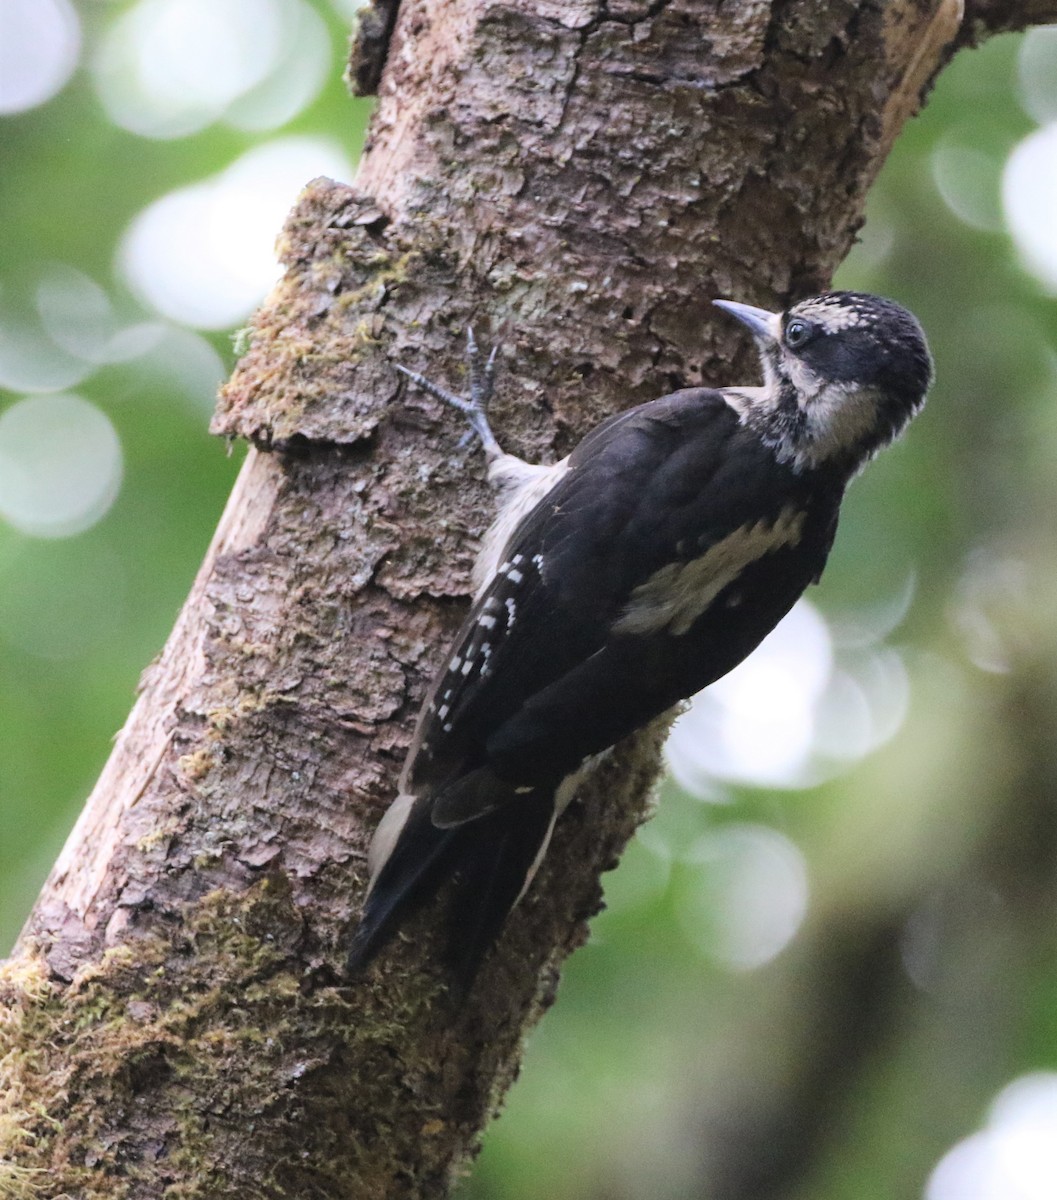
(499, 856)
(492, 859)
(472, 796)
(407, 868)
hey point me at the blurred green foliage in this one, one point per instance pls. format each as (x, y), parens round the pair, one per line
(923, 978)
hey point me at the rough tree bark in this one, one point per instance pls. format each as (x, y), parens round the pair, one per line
(583, 177)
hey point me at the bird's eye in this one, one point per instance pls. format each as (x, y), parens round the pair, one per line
(797, 333)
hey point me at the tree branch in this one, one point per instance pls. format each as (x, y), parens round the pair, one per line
(583, 178)
(983, 18)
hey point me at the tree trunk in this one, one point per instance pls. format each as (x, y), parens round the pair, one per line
(577, 180)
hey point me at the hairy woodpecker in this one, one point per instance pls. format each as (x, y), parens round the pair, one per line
(621, 580)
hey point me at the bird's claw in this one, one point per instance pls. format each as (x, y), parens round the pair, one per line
(474, 406)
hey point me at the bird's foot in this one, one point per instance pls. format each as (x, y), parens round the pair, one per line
(474, 406)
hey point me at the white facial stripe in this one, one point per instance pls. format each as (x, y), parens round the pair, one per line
(808, 383)
(674, 597)
(838, 418)
(745, 400)
(833, 314)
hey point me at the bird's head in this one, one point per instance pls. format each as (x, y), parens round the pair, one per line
(844, 373)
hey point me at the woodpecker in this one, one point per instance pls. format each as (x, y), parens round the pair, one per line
(618, 582)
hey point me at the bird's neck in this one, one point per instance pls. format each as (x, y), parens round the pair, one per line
(828, 430)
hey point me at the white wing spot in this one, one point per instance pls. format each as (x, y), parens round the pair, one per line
(446, 727)
(443, 711)
(455, 663)
(467, 666)
(537, 561)
(515, 576)
(511, 609)
(486, 621)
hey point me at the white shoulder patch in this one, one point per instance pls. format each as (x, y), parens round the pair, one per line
(520, 487)
(673, 598)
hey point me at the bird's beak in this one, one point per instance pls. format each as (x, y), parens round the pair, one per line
(763, 324)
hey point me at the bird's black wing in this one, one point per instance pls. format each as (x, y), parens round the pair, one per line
(539, 675)
(651, 568)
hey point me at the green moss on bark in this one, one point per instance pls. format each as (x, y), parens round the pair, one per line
(165, 1057)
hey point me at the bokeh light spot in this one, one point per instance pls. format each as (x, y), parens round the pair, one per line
(169, 68)
(969, 182)
(756, 724)
(76, 314)
(183, 362)
(30, 360)
(794, 713)
(40, 41)
(203, 255)
(60, 465)
(74, 311)
(750, 895)
(1014, 1155)
(985, 606)
(863, 706)
(298, 74)
(73, 330)
(1029, 197)
(1037, 73)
